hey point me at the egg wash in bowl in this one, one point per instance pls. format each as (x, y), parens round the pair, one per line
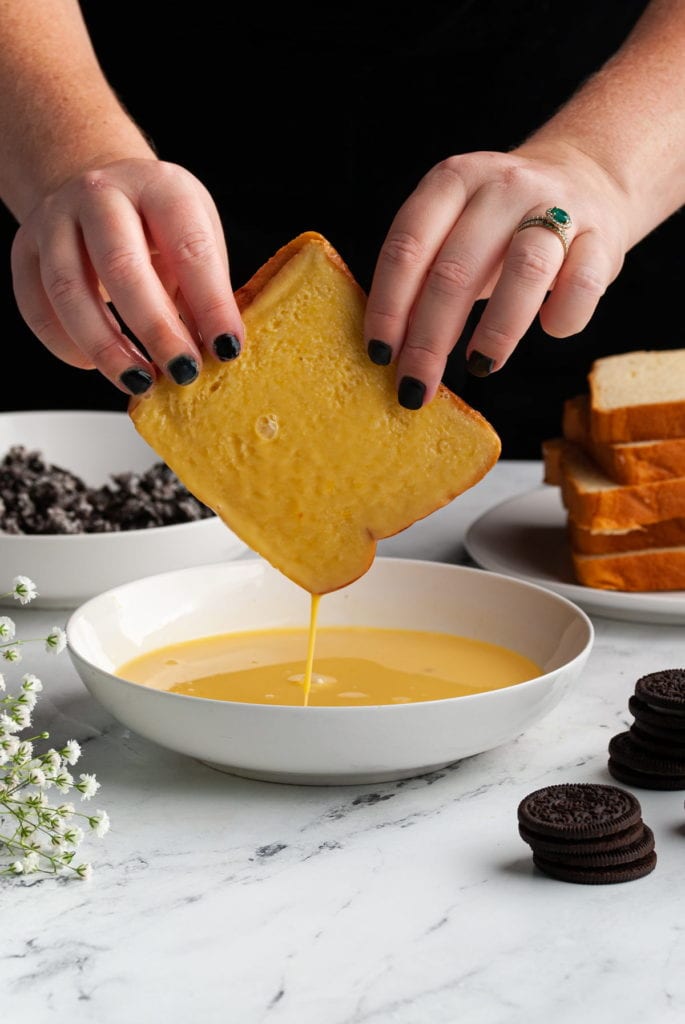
(185, 611)
(332, 666)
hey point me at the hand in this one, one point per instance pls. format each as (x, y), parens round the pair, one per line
(454, 241)
(145, 236)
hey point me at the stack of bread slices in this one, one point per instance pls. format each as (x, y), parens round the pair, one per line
(620, 467)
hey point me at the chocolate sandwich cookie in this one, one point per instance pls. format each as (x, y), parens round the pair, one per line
(670, 724)
(665, 689)
(597, 876)
(663, 747)
(643, 780)
(581, 810)
(631, 764)
(588, 833)
(628, 854)
(549, 846)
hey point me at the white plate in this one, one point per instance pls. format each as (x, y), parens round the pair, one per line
(329, 745)
(525, 537)
(69, 568)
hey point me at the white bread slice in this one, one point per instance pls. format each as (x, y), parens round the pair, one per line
(300, 445)
(656, 569)
(626, 462)
(665, 533)
(637, 396)
(596, 502)
(552, 450)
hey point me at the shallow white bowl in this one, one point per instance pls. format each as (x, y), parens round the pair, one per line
(319, 745)
(69, 569)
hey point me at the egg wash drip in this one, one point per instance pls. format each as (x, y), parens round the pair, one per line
(354, 665)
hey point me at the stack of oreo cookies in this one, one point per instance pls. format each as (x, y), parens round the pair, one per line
(587, 832)
(651, 753)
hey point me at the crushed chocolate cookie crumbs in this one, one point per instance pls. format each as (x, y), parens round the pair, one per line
(39, 498)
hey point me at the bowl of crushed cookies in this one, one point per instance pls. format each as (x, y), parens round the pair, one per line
(86, 504)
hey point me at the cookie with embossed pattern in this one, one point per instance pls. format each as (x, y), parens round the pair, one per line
(580, 810)
(664, 689)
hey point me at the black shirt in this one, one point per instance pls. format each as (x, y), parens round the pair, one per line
(326, 120)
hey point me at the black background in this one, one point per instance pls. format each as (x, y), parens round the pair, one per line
(326, 121)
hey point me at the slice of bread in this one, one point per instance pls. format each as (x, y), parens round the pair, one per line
(626, 462)
(655, 569)
(300, 444)
(665, 533)
(637, 396)
(596, 502)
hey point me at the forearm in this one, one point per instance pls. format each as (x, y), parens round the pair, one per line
(58, 114)
(630, 117)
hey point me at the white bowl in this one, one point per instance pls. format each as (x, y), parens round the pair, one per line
(329, 745)
(69, 569)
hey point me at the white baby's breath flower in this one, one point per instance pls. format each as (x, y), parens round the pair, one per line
(22, 716)
(24, 589)
(56, 640)
(28, 699)
(73, 835)
(7, 628)
(24, 752)
(64, 780)
(52, 762)
(8, 724)
(40, 836)
(88, 786)
(71, 752)
(31, 683)
(31, 862)
(99, 822)
(37, 777)
(11, 745)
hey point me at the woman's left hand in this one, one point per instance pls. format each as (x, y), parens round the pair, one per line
(455, 240)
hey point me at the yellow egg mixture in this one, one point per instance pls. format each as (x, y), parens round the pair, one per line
(354, 665)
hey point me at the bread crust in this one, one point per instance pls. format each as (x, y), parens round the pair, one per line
(659, 569)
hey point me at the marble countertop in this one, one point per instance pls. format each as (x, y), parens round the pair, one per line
(220, 899)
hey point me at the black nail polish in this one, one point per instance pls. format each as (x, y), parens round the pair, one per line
(136, 381)
(411, 392)
(183, 369)
(226, 346)
(379, 352)
(479, 365)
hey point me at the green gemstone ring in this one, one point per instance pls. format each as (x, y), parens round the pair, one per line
(554, 219)
(559, 216)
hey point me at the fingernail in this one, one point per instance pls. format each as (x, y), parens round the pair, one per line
(410, 393)
(226, 346)
(379, 352)
(479, 365)
(183, 369)
(136, 381)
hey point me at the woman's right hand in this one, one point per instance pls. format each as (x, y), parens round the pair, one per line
(145, 236)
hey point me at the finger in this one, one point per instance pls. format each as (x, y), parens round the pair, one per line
(34, 306)
(71, 287)
(458, 276)
(190, 241)
(580, 284)
(117, 247)
(412, 243)
(530, 266)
